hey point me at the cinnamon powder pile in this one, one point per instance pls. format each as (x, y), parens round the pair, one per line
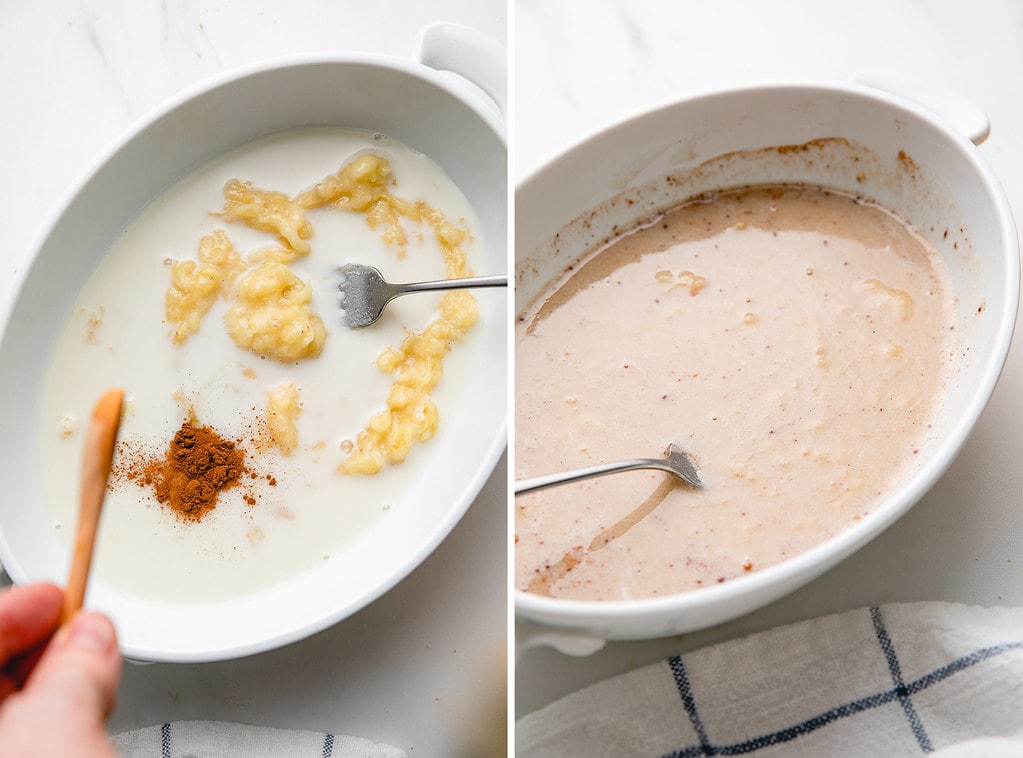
(197, 466)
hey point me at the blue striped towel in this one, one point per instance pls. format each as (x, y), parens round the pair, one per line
(220, 739)
(899, 680)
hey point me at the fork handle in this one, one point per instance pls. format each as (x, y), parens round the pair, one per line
(564, 477)
(498, 280)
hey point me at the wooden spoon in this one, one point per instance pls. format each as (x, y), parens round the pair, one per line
(97, 459)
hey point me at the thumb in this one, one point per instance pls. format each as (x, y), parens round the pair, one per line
(64, 705)
(81, 667)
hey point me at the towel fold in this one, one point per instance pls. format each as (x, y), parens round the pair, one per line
(900, 679)
(221, 739)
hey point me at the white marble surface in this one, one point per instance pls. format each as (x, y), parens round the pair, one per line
(580, 66)
(413, 668)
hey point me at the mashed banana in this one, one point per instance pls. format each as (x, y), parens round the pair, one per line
(282, 410)
(270, 311)
(271, 314)
(363, 185)
(196, 286)
(268, 211)
(411, 414)
(355, 187)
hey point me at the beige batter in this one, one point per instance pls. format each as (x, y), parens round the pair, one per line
(796, 342)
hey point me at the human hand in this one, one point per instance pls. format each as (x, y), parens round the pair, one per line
(55, 694)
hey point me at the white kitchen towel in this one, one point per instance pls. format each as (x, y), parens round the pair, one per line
(898, 680)
(221, 739)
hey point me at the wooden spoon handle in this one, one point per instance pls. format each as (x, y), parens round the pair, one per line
(96, 462)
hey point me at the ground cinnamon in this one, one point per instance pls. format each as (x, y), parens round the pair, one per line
(198, 465)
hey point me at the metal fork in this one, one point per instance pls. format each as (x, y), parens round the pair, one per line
(676, 461)
(365, 292)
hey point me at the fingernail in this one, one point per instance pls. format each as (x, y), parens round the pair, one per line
(91, 632)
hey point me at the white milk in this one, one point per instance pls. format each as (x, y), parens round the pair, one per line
(312, 511)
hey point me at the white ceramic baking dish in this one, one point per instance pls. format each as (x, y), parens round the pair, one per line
(854, 138)
(446, 103)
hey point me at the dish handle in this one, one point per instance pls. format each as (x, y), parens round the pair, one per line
(471, 56)
(530, 634)
(963, 114)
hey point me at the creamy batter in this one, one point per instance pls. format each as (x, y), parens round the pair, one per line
(117, 335)
(795, 341)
